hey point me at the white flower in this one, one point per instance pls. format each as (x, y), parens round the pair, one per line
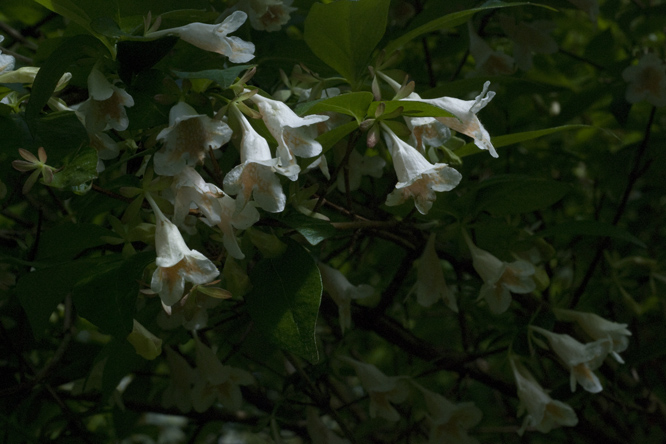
(145, 343)
(7, 62)
(255, 176)
(449, 421)
(383, 390)
(215, 38)
(105, 108)
(318, 431)
(599, 328)
(488, 61)
(187, 139)
(181, 378)
(543, 413)
(218, 209)
(215, 381)
(295, 135)
(417, 178)
(580, 359)
(357, 166)
(267, 15)
(27, 74)
(342, 292)
(647, 81)
(528, 38)
(176, 263)
(500, 278)
(430, 283)
(426, 131)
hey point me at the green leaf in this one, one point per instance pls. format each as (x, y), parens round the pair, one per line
(107, 296)
(223, 77)
(80, 170)
(70, 51)
(330, 138)
(344, 34)
(284, 301)
(590, 228)
(409, 108)
(313, 230)
(512, 194)
(79, 237)
(447, 21)
(353, 104)
(510, 139)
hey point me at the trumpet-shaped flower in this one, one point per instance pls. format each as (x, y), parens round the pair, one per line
(215, 381)
(383, 390)
(430, 283)
(488, 61)
(500, 278)
(425, 131)
(176, 263)
(599, 328)
(27, 74)
(7, 62)
(295, 135)
(255, 176)
(181, 377)
(528, 38)
(218, 209)
(187, 139)
(342, 292)
(105, 108)
(580, 359)
(449, 421)
(417, 177)
(267, 15)
(647, 81)
(358, 165)
(543, 412)
(215, 38)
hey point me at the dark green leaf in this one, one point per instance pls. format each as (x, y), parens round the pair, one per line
(330, 138)
(409, 108)
(223, 77)
(313, 230)
(80, 170)
(344, 34)
(284, 301)
(510, 194)
(77, 238)
(135, 57)
(590, 228)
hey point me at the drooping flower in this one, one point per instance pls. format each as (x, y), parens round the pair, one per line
(417, 177)
(7, 62)
(580, 359)
(488, 61)
(357, 166)
(215, 381)
(105, 108)
(295, 135)
(528, 38)
(599, 328)
(217, 208)
(176, 263)
(382, 390)
(215, 38)
(425, 131)
(145, 343)
(187, 139)
(342, 292)
(647, 81)
(543, 412)
(430, 283)
(318, 431)
(267, 15)
(500, 278)
(181, 378)
(449, 422)
(255, 176)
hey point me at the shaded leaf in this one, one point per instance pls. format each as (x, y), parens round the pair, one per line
(590, 228)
